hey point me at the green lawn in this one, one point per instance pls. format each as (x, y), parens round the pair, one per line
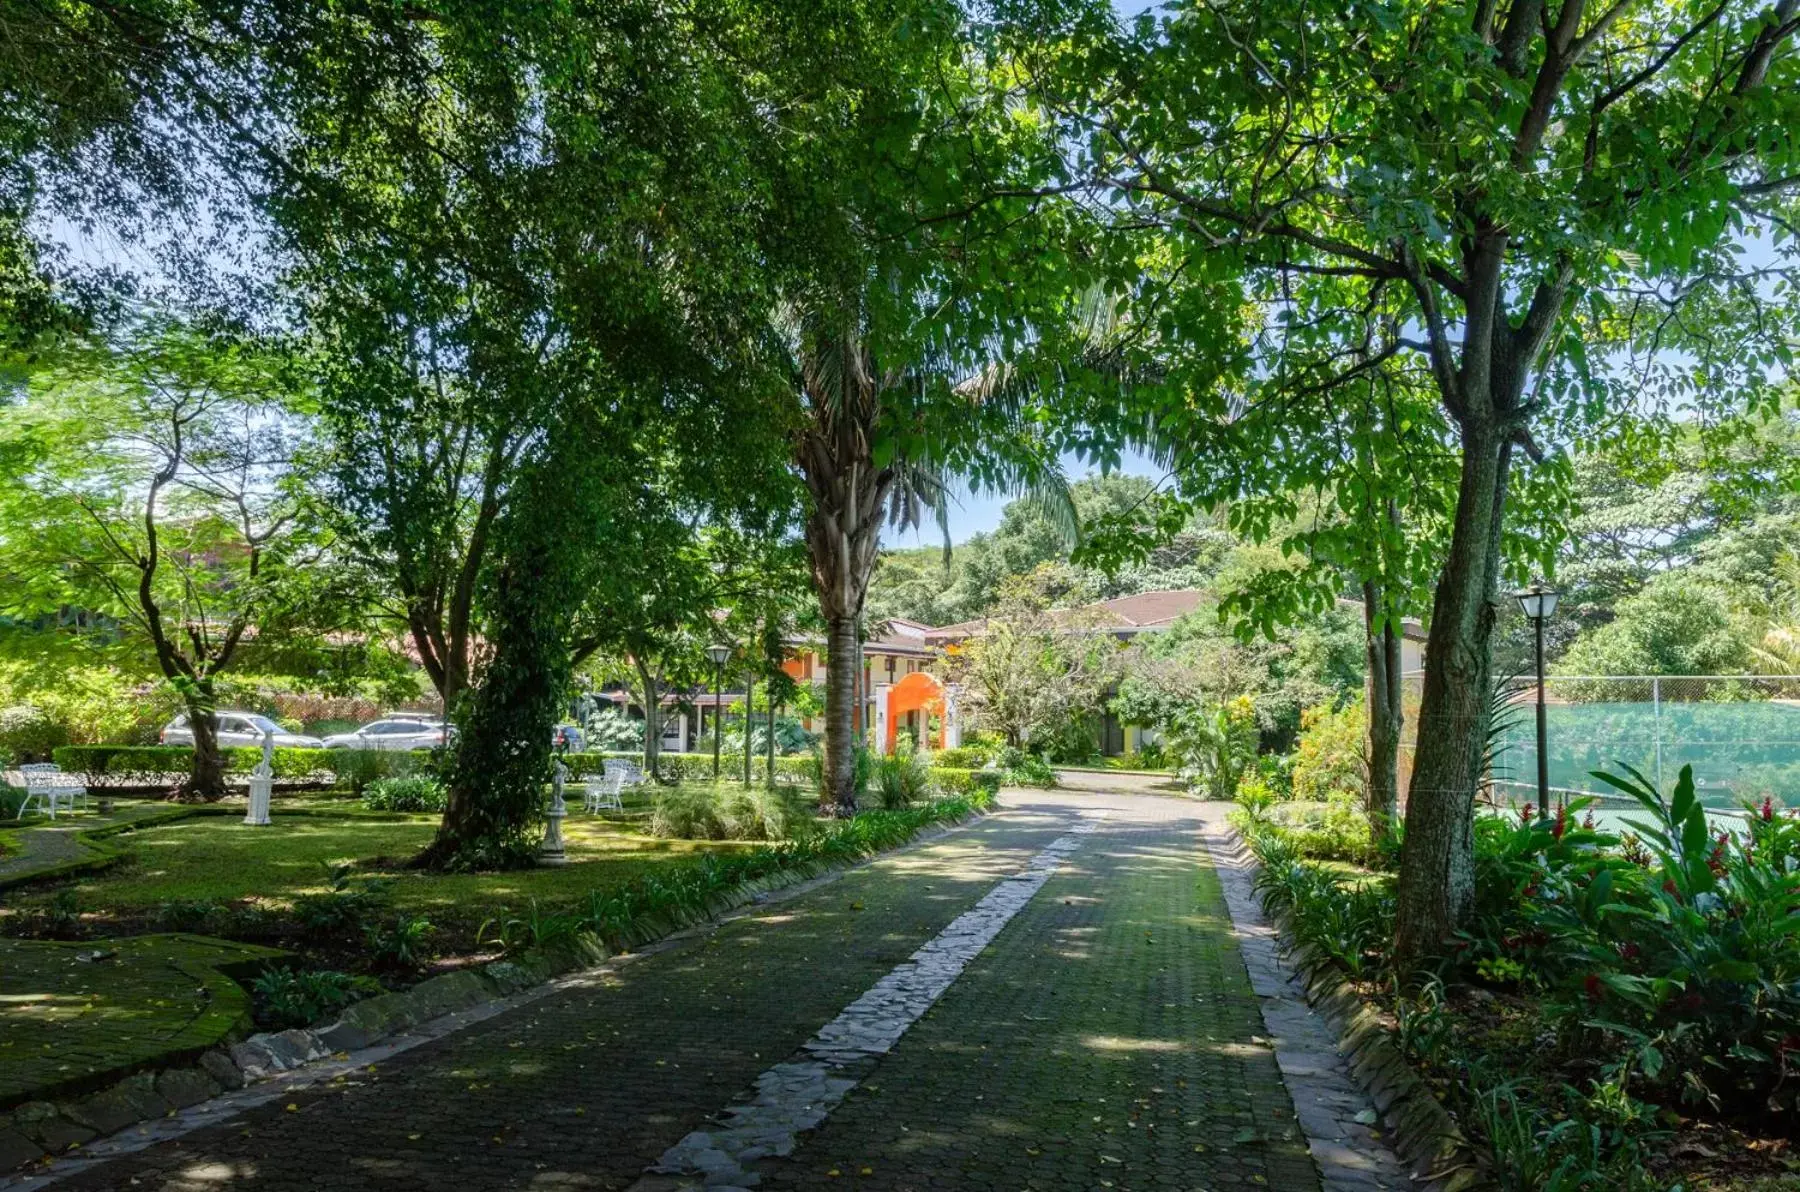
(223, 859)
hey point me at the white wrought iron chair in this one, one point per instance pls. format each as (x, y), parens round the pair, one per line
(629, 772)
(603, 794)
(49, 790)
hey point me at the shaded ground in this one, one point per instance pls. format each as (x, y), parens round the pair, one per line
(72, 1015)
(1107, 1038)
(38, 843)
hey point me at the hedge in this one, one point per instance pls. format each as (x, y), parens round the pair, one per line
(954, 780)
(696, 767)
(149, 765)
(962, 757)
(353, 769)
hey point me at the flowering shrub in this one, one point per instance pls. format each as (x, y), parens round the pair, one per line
(1678, 951)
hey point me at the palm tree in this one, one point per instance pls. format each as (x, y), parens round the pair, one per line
(878, 446)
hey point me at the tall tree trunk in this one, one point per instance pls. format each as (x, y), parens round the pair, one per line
(1436, 883)
(502, 752)
(840, 715)
(1386, 714)
(770, 749)
(652, 697)
(206, 781)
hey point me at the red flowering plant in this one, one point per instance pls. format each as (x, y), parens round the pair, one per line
(1676, 951)
(1525, 867)
(1697, 953)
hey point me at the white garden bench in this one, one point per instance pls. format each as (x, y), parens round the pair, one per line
(49, 790)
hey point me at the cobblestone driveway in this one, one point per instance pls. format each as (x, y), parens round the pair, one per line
(1107, 1038)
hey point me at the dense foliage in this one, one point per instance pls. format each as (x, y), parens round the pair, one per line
(1638, 971)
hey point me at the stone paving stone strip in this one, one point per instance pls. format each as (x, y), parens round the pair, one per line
(1107, 1040)
(797, 1095)
(586, 1084)
(1332, 1107)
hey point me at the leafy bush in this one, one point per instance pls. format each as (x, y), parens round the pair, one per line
(1329, 757)
(29, 733)
(900, 780)
(693, 767)
(963, 757)
(758, 813)
(1334, 830)
(144, 765)
(612, 728)
(399, 944)
(948, 781)
(416, 792)
(1349, 921)
(287, 997)
(1216, 746)
(724, 813)
(1676, 950)
(342, 907)
(1024, 769)
(686, 813)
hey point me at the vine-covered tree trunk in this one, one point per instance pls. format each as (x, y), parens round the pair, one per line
(206, 781)
(502, 755)
(1387, 715)
(1437, 864)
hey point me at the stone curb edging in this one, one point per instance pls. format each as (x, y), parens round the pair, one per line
(38, 1131)
(1427, 1137)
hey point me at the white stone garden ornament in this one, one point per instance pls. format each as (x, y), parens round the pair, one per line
(262, 782)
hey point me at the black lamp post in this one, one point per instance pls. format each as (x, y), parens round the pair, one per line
(1538, 603)
(718, 653)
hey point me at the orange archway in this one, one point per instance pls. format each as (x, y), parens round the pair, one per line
(914, 692)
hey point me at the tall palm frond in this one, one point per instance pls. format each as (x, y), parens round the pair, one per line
(1778, 653)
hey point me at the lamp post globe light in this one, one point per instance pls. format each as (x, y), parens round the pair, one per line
(718, 652)
(1538, 603)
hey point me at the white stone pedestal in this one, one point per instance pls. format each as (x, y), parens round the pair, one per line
(551, 851)
(262, 783)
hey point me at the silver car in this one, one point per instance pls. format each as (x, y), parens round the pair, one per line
(391, 732)
(239, 728)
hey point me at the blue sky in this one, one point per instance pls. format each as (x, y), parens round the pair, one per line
(972, 514)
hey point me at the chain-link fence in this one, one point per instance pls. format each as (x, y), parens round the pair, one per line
(1740, 733)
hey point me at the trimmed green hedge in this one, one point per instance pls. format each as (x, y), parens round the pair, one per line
(145, 765)
(696, 767)
(954, 780)
(354, 769)
(963, 757)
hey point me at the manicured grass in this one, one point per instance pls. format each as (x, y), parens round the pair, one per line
(222, 859)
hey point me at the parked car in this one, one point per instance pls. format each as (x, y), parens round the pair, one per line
(392, 732)
(568, 735)
(239, 728)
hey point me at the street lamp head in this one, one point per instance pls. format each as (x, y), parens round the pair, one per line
(718, 653)
(1537, 601)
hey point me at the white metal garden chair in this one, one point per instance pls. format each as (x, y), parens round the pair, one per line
(49, 790)
(603, 795)
(629, 772)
